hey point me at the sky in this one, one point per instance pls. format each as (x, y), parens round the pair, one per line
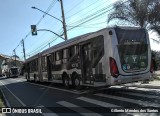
(17, 16)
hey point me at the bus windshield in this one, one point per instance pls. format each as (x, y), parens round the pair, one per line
(14, 70)
(133, 49)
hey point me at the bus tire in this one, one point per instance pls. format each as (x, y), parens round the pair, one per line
(77, 82)
(66, 81)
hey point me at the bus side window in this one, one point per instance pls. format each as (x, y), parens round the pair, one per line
(59, 57)
(44, 63)
(65, 56)
(71, 51)
(65, 53)
(53, 58)
(30, 65)
(76, 50)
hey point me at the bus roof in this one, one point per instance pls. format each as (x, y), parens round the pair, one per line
(69, 41)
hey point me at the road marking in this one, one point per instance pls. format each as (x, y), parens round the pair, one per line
(47, 110)
(135, 88)
(82, 111)
(142, 95)
(13, 95)
(97, 102)
(70, 91)
(139, 102)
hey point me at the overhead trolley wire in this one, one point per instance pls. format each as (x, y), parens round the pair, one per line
(89, 18)
(74, 6)
(48, 9)
(90, 15)
(82, 10)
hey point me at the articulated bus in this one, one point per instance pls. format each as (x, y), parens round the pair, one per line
(110, 56)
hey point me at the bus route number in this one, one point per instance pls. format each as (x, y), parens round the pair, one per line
(74, 65)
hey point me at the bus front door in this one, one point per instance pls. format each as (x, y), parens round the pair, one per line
(86, 64)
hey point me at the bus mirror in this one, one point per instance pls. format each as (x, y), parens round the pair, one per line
(110, 32)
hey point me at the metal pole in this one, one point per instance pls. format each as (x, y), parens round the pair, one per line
(15, 56)
(63, 18)
(23, 50)
(51, 32)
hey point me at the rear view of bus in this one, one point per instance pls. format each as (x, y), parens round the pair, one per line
(131, 60)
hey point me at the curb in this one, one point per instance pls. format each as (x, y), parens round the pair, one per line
(5, 100)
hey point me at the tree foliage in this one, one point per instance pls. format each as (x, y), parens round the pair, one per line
(143, 13)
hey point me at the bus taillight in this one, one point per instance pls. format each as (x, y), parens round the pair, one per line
(113, 67)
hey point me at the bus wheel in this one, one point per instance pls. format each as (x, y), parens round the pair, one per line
(66, 81)
(77, 81)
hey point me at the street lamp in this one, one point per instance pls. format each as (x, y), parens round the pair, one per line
(63, 22)
(46, 13)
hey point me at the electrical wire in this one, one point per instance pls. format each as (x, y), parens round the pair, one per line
(95, 15)
(48, 9)
(74, 7)
(82, 9)
(90, 15)
(41, 47)
(101, 12)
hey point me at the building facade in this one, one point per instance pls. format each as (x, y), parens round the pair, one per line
(6, 62)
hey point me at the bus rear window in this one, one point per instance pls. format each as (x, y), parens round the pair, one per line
(128, 37)
(133, 57)
(133, 49)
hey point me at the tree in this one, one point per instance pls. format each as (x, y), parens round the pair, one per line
(143, 13)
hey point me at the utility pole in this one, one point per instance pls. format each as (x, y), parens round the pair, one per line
(23, 49)
(63, 18)
(15, 55)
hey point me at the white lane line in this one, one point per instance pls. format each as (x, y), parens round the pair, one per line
(49, 114)
(70, 91)
(139, 102)
(136, 88)
(142, 95)
(14, 95)
(47, 110)
(82, 111)
(97, 102)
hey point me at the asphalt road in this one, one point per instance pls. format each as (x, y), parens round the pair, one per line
(53, 99)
